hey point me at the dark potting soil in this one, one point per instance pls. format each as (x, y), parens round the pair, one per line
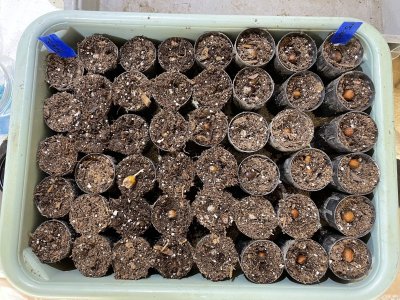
(255, 217)
(345, 57)
(298, 216)
(258, 175)
(61, 73)
(296, 52)
(262, 261)
(139, 54)
(214, 49)
(94, 174)
(130, 215)
(92, 255)
(212, 88)
(208, 126)
(354, 91)
(132, 258)
(217, 168)
(305, 260)
(132, 91)
(214, 209)
(89, 214)
(98, 54)
(51, 241)
(248, 132)
(254, 48)
(173, 256)
(216, 257)
(57, 155)
(176, 54)
(169, 131)
(135, 174)
(93, 139)
(53, 196)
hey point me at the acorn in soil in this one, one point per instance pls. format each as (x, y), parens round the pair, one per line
(53, 196)
(295, 51)
(93, 139)
(139, 53)
(216, 257)
(291, 130)
(255, 217)
(56, 155)
(335, 59)
(173, 256)
(171, 215)
(214, 209)
(217, 167)
(130, 215)
(349, 258)
(254, 47)
(132, 258)
(98, 54)
(305, 260)
(52, 241)
(262, 261)
(176, 54)
(95, 173)
(355, 173)
(132, 91)
(92, 255)
(175, 173)
(61, 112)
(208, 126)
(350, 132)
(90, 214)
(61, 73)
(129, 134)
(303, 90)
(248, 132)
(135, 174)
(309, 169)
(169, 131)
(258, 175)
(212, 88)
(252, 88)
(213, 49)
(349, 214)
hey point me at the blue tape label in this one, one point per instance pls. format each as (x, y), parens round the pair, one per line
(55, 45)
(345, 32)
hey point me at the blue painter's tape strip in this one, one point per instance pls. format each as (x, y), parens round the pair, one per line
(345, 32)
(56, 45)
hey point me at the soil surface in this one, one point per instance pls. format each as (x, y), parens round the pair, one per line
(98, 54)
(212, 88)
(258, 175)
(169, 131)
(132, 258)
(92, 140)
(296, 52)
(361, 87)
(89, 214)
(51, 241)
(217, 167)
(56, 155)
(92, 255)
(298, 216)
(61, 73)
(254, 47)
(208, 126)
(94, 174)
(345, 57)
(173, 257)
(138, 54)
(214, 49)
(53, 197)
(313, 261)
(132, 91)
(130, 215)
(248, 132)
(262, 262)
(176, 54)
(216, 257)
(255, 217)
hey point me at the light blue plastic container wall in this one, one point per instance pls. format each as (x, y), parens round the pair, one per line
(19, 216)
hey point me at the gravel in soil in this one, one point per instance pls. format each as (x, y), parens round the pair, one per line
(296, 52)
(93, 139)
(345, 57)
(254, 47)
(214, 49)
(139, 53)
(354, 91)
(176, 54)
